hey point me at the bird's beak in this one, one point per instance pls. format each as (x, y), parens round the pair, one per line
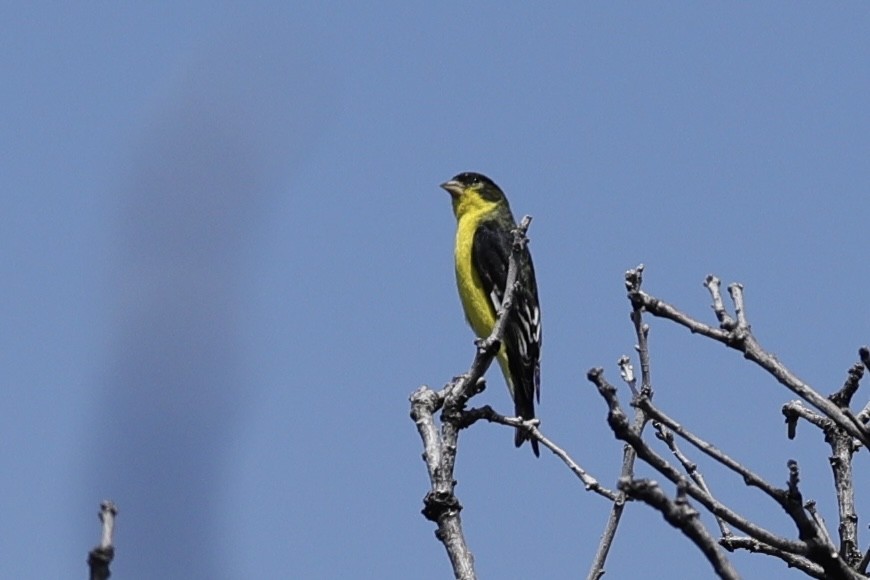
(453, 187)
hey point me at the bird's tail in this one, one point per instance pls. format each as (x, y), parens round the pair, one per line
(521, 437)
(524, 405)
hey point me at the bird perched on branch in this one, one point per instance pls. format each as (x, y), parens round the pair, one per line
(484, 223)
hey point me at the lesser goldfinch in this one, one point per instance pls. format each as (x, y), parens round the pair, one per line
(483, 247)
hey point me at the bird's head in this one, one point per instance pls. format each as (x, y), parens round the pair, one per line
(471, 192)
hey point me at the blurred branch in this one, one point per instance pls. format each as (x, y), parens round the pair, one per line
(682, 516)
(439, 449)
(864, 354)
(733, 543)
(102, 555)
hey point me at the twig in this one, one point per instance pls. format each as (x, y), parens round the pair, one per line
(819, 522)
(618, 422)
(814, 552)
(712, 284)
(733, 543)
(813, 531)
(626, 371)
(666, 435)
(738, 335)
(843, 448)
(489, 414)
(735, 290)
(843, 397)
(633, 283)
(794, 410)
(102, 555)
(439, 450)
(682, 516)
(809, 530)
(749, 477)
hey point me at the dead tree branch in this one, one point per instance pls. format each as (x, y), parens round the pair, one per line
(102, 555)
(439, 449)
(681, 515)
(618, 422)
(737, 334)
(667, 436)
(843, 448)
(489, 414)
(633, 282)
(844, 430)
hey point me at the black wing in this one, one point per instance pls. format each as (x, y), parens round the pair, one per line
(522, 339)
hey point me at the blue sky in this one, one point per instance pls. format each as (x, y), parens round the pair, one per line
(226, 264)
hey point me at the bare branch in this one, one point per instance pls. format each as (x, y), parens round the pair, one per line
(843, 448)
(618, 422)
(816, 536)
(813, 531)
(633, 282)
(843, 397)
(819, 522)
(813, 551)
(735, 289)
(749, 477)
(794, 410)
(102, 555)
(596, 570)
(738, 336)
(682, 516)
(441, 504)
(835, 566)
(439, 450)
(626, 371)
(666, 435)
(733, 543)
(489, 414)
(712, 283)
(841, 464)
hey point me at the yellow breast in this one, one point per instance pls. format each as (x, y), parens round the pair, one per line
(475, 302)
(478, 309)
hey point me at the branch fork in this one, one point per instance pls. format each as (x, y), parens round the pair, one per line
(439, 448)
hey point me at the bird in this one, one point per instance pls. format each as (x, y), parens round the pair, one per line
(484, 240)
